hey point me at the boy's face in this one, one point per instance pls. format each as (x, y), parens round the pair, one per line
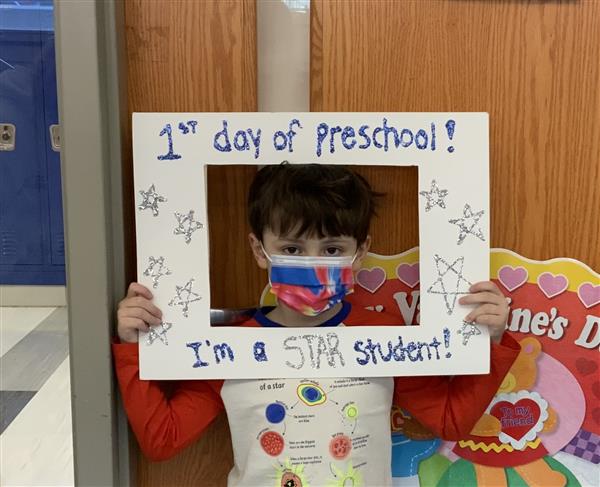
(312, 246)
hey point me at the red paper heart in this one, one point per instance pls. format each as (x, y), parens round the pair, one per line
(516, 419)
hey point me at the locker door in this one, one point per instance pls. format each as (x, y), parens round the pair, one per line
(25, 180)
(57, 248)
(22, 209)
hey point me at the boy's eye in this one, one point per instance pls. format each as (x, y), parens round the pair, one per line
(332, 251)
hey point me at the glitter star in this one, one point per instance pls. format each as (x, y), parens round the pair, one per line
(151, 199)
(440, 286)
(156, 334)
(467, 330)
(156, 269)
(184, 296)
(468, 224)
(186, 225)
(435, 196)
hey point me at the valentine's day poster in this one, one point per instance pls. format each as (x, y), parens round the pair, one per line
(543, 426)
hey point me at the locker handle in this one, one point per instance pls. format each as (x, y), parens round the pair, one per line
(55, 137)
(8, 135)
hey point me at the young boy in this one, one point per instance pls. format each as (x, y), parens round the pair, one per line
(310, 228)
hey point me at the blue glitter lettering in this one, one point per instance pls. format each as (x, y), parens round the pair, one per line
(170, 155)
(421, 346)
(447, 341)
(399, 351)
(362, 133)
(424, 139)
(195, 346)
(371, 347)
(450, 127)
(348, 133)
(192, 124)
(333, 131)
(255, 141)
(413, 347)
(291, 132)
(283, 144)
(260, 354)
(403, 141)
(244, 145)
(226, 145)
(183, 128)
(387, 131)
(435, 343)
(221, 350)
(357, 347)
(322, 131)
(375, 142)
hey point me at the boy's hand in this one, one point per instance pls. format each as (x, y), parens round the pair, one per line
(136, 312)
(492, 308)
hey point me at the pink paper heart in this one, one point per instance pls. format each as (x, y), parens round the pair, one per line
(552, 285)
(408, 274)
(371, 279)
(589, 294)
(512, 277)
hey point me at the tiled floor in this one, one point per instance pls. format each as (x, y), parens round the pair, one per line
(35, 444)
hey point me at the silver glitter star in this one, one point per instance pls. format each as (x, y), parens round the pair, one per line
(151, 199)
(449, 291)
(184, 296)
(467, 330)
(435, 196)
(156, 334)
(186, 225)
(468, 224)
(156, 269)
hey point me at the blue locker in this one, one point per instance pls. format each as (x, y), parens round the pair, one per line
(31, 226)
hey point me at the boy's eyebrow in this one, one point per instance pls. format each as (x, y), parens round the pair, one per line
(289, 239)
(325, 240)
(335, 240)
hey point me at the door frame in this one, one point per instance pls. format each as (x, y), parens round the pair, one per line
(91, 79)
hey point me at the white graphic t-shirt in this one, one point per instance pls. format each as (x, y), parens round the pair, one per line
(318, 432)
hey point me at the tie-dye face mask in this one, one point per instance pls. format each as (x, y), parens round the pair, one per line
(310, 285)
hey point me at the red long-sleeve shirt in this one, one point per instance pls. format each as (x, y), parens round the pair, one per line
(319, 424)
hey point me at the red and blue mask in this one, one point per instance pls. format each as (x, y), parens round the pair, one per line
(310, 285)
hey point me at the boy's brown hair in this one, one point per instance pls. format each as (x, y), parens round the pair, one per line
(311, 199)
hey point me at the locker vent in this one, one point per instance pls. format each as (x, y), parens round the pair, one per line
(8, 244)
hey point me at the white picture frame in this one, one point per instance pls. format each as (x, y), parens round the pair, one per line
(170, 153)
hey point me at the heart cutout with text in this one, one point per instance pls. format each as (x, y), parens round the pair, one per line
(521, 415)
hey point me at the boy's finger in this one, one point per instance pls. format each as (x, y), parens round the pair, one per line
(144, 315)
(485, 286)
(487, 320)
(481, 297)
(136, 289)
(486, 309)
(136, 323)
(140, 302)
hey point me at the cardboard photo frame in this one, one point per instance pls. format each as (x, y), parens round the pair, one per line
(171, 151)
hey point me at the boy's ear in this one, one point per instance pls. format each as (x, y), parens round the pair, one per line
(257, 251)
(361, 253)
